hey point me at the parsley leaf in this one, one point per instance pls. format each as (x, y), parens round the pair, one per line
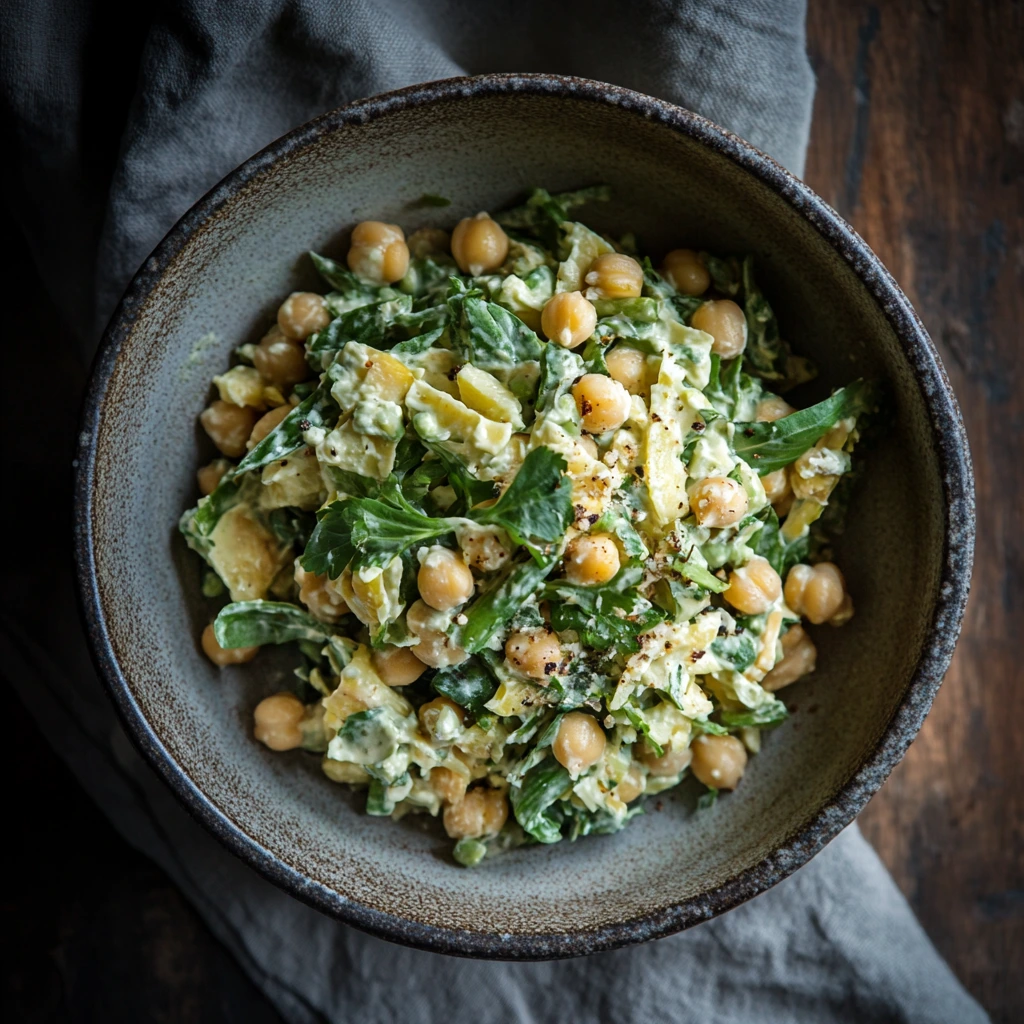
(770, 446)
(613, 614)
(488, 335)
(255, 623)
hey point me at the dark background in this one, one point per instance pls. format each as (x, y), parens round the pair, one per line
(918, 139)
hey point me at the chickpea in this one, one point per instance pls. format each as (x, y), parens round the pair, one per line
(799, 657)
(718, 501)
(726, 323)
(591, 558)
(669, 763)
(277, 721)
(378, 252)
(817, 592)
(776, 485)
(209, 476)
(229, 426)
(719, 761)
(568, 319)
(302, 314)
(613, 275)
(536, 654)
(603, 403)
(631, 786)
(224, 655)
(754, 587)
(772, 408)
(448, 785)
(479, 245)
(686, 272)
(442, 719)
(435, 648)
(579, 742)
(429, 242)
(266, 423)
(444, 579)
(280, 361)
(629, 367)
(397, 666)
(482, 812)
(320, 594)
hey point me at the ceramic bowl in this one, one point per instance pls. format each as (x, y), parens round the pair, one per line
(215, 282)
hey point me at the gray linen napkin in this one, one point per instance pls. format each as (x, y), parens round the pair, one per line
(208, 84)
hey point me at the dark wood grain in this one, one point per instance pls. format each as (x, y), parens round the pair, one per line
(918, 139)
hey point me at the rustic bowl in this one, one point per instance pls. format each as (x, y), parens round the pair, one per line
(678, 179)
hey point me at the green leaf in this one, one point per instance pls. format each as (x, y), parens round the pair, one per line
(532, 800)
(616, 521)
(770, 543)
(737, 652)
(374, 324)
(340, 278)
(636, 719)
(471, 685)
(644, 310)
(726, 274)
(255, 623)
(580, 685)
(559, 368)
(536, 510)
(701, 576)
(707, 800)
(766, 354)
(469, 852)
(488, 335)
(543, 213)
(352, 484)
(197, 524)
(612, 615)
(319, 410)
(770, 446)
(468, 490)
(772, 712)
(709, 728)
(493, 610)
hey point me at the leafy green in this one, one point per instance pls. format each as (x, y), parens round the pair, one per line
(644, 310)
(737, 652)
(535, 511)
(469, 852)
(471, 685)
(580, 685)
(532, 800)
(488, 335)
(537, 507)
(770, 446)
(732, 392)
(707, 799)
(702, 576)
(615, 520)
(558, 369)
(709, 728)
(543, 213)
(352, 484)
(637, 720)
(370, 324)
(613, 614)
(770, 713)
(468, 490)
(766, 354)
(726, 274)
(197, 524)
(255, 623)
(319, 410)
(770, 543)
(494, 608)
(341, 279)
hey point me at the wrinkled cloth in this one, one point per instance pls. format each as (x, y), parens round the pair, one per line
(118, 119)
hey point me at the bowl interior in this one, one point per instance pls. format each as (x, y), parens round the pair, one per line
(221, 288)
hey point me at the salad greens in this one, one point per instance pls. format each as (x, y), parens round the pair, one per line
(528, 583)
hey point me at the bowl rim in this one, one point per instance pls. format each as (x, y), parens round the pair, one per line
(947, 432)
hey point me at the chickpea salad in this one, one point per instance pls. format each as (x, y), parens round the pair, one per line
(534, 515)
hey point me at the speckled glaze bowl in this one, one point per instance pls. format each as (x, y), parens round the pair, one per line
(215, 282)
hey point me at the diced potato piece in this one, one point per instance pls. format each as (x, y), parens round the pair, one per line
(387, 379)
(295, 481)
(664, 469)
(360, 688)
(438, 414)
(241, 385)
(373, 595)
(345, 771)
(245, 555)
(584, 247)
(483, 393)
(365, 454)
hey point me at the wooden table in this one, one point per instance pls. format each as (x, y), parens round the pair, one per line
(919, 140)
